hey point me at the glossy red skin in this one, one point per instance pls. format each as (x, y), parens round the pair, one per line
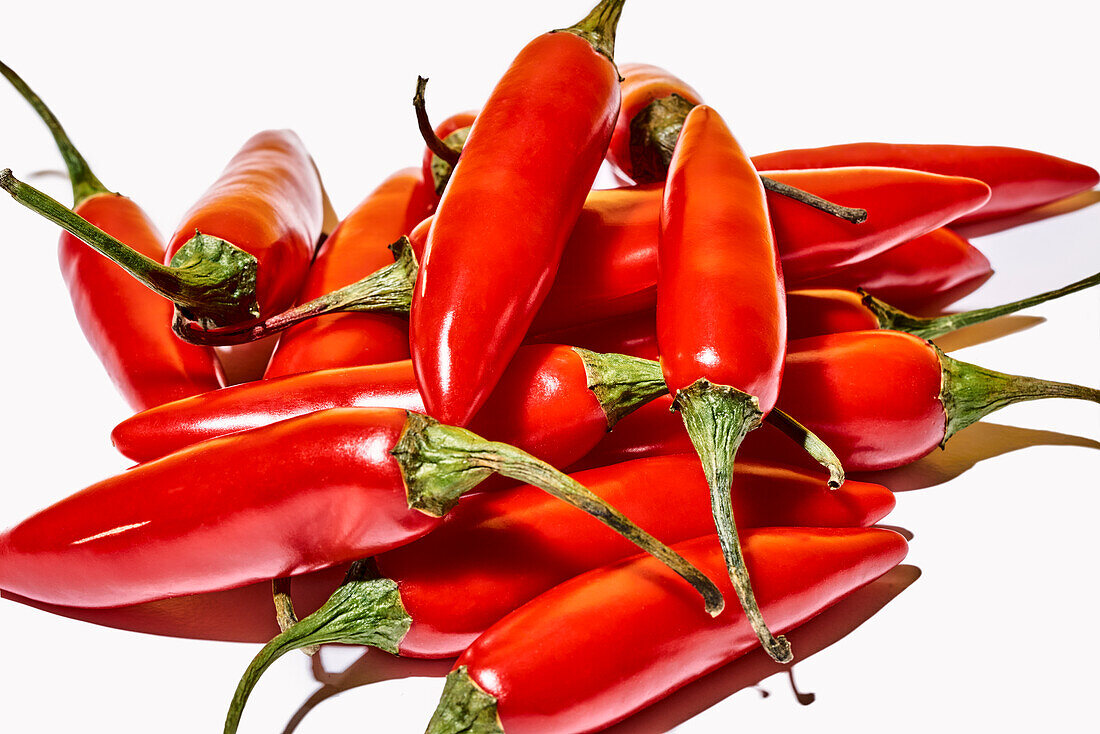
(557, 543)
(354, 250)
(284, 499)
(542, 405)
(641, 84)
(1020, 179)
(928, 272)
(609, 267)
(126, 324)
(721, 313)
(496, 552)
(872, 396)
(603, 645)
(498, 234)
(268, 202)
(454, 123)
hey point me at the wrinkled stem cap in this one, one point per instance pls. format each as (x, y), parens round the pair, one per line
(621, 383)
(465, 708)
(598, 27)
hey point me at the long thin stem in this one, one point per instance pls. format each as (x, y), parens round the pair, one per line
(847, 213)
(718, 418)
(435, 145)
(931, 327)
(439, 463)
(84, 182)
(810, 443)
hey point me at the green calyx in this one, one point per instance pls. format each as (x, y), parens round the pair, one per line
(85, 184)
(717, 418)
(598, 27)
(621, 383)
(465, 708)
(929, 328)
(362, 611)
(439, 463)
(442, 169)
(968, 392)
(653, 135)
(215, 281)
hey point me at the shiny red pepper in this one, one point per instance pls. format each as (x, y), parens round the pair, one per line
(721, 316)
(481, 531)
(267, 202)
(927, 273)
(284, 499)
(879, 399)
(625, 636)
(125, 323)
(1020, 179)
(543, 403)
(498, 234)
(494, 553)
(355, 249)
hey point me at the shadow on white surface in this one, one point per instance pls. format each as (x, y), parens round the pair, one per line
(1065, 206)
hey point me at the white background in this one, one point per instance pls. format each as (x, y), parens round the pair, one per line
(999, 628)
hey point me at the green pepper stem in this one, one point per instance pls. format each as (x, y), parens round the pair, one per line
(847, 213)
(621, 383)
(387, 290)
(931, 327)
(439, 463)
(84, 182)
(598, 27)
(285, 616)
(427, 132)
(211, 279)
(465, 708)
(810, 443)
(363, 611)
(717, 418)
(969, 392)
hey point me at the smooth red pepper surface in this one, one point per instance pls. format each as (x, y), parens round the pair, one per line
(268, 202)
(496, 552)
(285, 499)
(926, 273)
(126, 324)
(603, 645)
(355, 249)
(1020, 179)
(498, 234)
(721, 314)
(542, 405)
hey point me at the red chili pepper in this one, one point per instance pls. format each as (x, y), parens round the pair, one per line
(721, 316)
(499, 231)
(493, 554)
(267, 202)
(125, 324)
(355, 249)
(1020, 179)
(879, 399)
(625, 636)
(929, 272)
(289, 498)
(552, 401)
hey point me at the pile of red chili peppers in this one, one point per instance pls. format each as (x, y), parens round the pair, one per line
(661, 344)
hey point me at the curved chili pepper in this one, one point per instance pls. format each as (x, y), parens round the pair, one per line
(721, 317)
(499, 231)
(494, 553)
(625, 636)
(125, 324)
(929, 272)
(296, 496)
(879, 399)
(1020, 179)
(355, 249)
(553, 401)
